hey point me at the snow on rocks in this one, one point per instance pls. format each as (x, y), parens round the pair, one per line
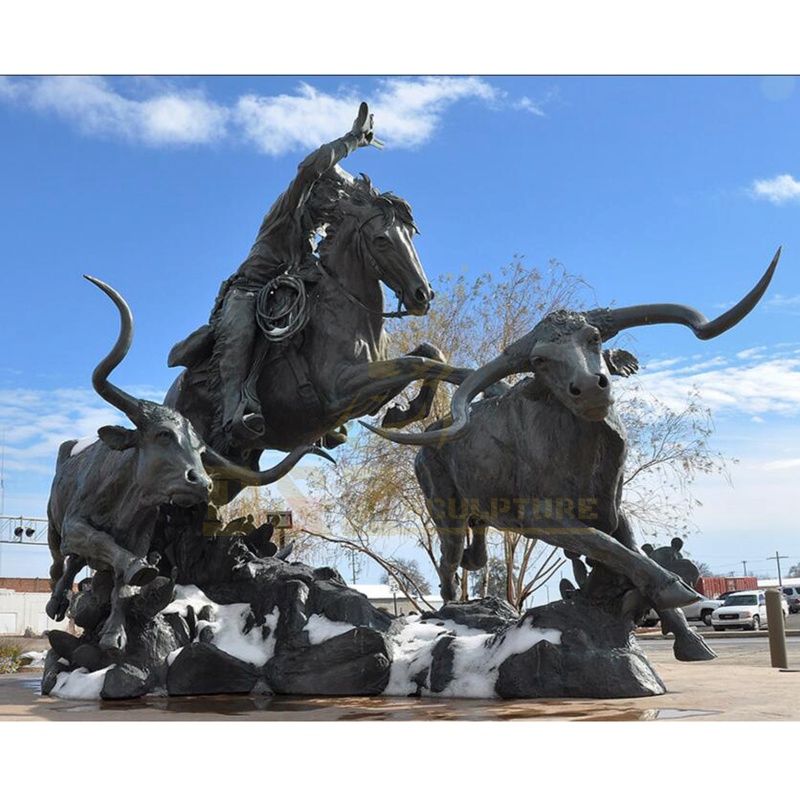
(232, 631)
(475, 655)
(33, 658)
(320, 628)
(80, 684)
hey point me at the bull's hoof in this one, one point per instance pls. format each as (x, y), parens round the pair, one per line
(690, 646)
(139, 573)
(674, 594)
(57, 606)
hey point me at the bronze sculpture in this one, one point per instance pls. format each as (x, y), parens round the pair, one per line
(294, 349)
(547, 456)
(106, 497)
(332, 365)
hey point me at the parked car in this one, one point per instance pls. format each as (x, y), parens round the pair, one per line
(745, 610)
(792, 595)
(701, 609)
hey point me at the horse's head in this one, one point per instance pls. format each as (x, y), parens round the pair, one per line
(383, 229)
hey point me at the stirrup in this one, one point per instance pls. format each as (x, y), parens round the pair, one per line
(248, 427)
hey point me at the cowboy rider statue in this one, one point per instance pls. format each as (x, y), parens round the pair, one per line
(285, 241)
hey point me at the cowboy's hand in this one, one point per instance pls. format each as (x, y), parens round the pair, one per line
(362, 127)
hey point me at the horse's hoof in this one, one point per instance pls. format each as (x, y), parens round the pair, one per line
(335, 438)
(674, 595)
(395, 417)
(139, 573)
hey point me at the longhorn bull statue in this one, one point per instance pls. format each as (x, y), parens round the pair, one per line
(106, 496)
(546, 457)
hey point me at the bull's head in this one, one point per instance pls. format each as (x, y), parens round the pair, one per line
(566, 354)
(172, 461)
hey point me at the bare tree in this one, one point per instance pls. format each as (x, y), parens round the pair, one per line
(416, 579)
(667, 449)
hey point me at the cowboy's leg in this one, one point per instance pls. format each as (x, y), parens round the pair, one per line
(235, 336)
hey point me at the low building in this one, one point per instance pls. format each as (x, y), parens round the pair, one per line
(769, 583)
(22, 607)
(381, 596)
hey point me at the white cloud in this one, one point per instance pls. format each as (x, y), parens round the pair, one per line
(34, 423)
(751, 352)
(781, 463)
(526, 104)
(90, 103)
(408, 111)
(784, 302)
(778, 190)
(755, 384)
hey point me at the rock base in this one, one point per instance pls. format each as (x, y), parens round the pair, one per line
(316, 636)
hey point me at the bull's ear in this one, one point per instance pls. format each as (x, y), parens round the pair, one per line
(621, 362)
(117, 437)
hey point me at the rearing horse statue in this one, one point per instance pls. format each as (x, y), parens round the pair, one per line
(335, 367)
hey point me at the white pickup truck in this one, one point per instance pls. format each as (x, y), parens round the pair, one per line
(701, 609)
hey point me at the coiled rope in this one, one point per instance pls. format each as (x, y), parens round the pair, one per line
(282, 308)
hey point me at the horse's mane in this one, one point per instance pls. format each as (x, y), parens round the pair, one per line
(337, 194)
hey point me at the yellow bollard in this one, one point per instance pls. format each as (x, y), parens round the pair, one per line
(777, 633)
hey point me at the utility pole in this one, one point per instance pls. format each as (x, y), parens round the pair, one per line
(744, 568)
(353, 566)
(777, 558)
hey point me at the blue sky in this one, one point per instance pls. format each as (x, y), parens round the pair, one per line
(652, 189)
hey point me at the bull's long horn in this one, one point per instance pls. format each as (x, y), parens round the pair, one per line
(224, 468)
(612, 321)
(127, 404)
(498, 368)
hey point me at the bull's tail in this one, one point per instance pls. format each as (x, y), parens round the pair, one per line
(53, 531)
(54, 543)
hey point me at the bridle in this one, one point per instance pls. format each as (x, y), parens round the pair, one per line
(376, 269)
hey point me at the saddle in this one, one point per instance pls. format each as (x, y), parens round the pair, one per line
(194, 349)
(282, 313)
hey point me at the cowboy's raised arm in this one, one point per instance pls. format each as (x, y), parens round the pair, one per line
(327, 156)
